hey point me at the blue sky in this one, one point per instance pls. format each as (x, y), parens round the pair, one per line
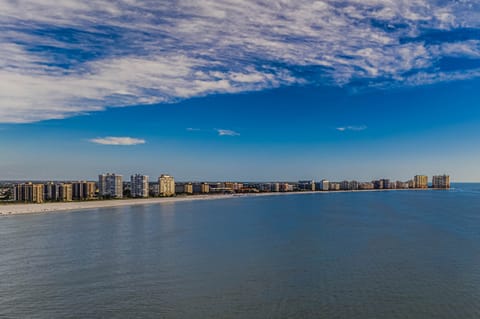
(240, 90)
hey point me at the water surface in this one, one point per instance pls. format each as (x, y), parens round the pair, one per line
(403, 254)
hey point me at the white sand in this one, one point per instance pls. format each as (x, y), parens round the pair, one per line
(15, 208)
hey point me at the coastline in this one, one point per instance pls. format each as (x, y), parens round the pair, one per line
(30, 208)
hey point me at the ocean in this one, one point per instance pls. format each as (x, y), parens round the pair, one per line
(393, 254)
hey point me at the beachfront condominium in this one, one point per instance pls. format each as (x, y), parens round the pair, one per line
(83, 190)
(28, 193)
(420, 181)
(324, 185)
(110, 185)
(50, 191)
(306, 185)
(166, 185)
(441, 181)
(201, 188)
(139, 185)
(65, 193)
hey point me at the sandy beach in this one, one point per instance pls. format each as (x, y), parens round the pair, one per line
(17, 209)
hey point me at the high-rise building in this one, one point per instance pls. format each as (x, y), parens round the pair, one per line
(65, 192)
(324, 185)
(89, 190)
(378, 184)
(205, 188)
(411, 183)
(386, 184)
(344, 185)
(306, 185)
(188, 188)
(179, 188)
(353, 185)
(401, 185)
(139, 185)
(441, 181)
(366, 185)
(275, 187)
(83, 190)
(334, 186)
(110, 185)
(50, 191)
(420, 181)
(29, 192)
(166, 185)
(286, 187)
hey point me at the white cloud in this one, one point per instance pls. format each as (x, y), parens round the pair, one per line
(351, 128)
(65, 58)
(222, 132)
(112, 140)
(192, 129)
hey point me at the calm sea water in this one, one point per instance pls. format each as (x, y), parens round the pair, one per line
(405, 254)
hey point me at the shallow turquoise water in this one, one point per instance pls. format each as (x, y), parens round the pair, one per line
(406, 254)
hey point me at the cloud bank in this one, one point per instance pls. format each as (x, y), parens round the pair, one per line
(65, 58)
(122, 141)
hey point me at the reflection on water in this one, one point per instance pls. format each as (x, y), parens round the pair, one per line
(401, 254)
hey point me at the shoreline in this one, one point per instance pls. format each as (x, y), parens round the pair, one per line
(11, 209)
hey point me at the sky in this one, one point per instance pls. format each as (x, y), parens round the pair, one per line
(246, 90)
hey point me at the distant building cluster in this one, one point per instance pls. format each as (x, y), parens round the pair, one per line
(112, 186)
(54, 192)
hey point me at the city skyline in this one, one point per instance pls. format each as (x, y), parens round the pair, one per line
(112, 186)
(138, 178)
(246, 91)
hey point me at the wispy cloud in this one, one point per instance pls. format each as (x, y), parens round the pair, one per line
(112, 140)
(351, 128)
(65, 58)
(222, 132)
(192, 129)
